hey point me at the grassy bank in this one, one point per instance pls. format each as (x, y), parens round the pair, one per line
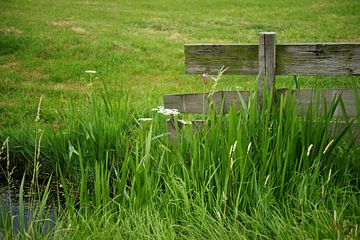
(250, 174)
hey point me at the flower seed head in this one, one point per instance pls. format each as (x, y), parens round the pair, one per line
(309, 149)
(205, 78)
(328, 146)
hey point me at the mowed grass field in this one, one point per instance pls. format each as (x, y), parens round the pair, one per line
(46, 46)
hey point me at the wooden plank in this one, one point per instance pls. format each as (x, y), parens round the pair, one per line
(196, 125)
(291, 59)
(315, 98)
(335, 127)
(267, 51)
(198, 103)
(210, 58)
(352, 134)
(319, 59)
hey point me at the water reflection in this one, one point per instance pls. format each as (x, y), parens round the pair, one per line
(36, 217)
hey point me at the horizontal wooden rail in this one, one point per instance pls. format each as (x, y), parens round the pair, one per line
(223, 100)
(336, 128)
(198, 102)
(291, 59)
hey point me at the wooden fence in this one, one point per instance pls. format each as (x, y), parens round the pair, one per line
(266, 60)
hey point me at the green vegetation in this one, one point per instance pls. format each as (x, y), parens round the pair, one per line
(272, 176)
(47, 45)
(96, 171)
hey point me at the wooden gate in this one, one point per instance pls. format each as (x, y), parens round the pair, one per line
(267, 60)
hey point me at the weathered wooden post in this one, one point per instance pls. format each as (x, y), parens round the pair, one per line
(267, 63)
(266, 60)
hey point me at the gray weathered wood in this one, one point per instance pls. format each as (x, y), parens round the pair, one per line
(315, 98)
(195, 125)
(210, 58)
(267, 51)
(268, 60)
(198, 103)
(336, 128)
(291, 59)
(352, 133)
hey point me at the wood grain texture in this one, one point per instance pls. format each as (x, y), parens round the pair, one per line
(267, 61)
(195, 125)
(291, 59)
(210, 58)
(319, 98)
(353, 133)
(199, 103)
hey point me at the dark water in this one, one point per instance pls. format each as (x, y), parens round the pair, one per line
(10, 213)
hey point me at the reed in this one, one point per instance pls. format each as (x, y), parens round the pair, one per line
(250, 173)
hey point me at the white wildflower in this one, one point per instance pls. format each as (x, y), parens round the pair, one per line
(166, 111)
(185, 122)
(328, 146)
(157, 108)
(145, 119)
(309, 149)
(90, 71)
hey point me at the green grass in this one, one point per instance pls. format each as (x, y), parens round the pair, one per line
(140, 45)
(249, 174)
(246, 174)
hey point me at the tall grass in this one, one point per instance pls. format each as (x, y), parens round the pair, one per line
(248, 174)
(26, 217)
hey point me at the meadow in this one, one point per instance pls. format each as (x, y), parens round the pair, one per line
(77, 77)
